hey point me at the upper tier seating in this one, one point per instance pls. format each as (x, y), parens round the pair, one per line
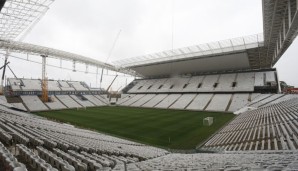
(225, 82)
(53, 85)
(193, 84)
(259, 79)
(65, 86)
(208, 83)
(77, 85)
(36, 85)
(179, 84)
(156, 85)
(138, 86)
(245, 82)
(233, 82)
(15, 84)
(31, 85)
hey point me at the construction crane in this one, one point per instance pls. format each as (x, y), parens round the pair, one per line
(111, 83)
(110, 54)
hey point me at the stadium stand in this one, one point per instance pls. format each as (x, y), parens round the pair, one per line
(254, 95)
(68, 101)
(124, 98)
(179, 84)
(33, 103)
(3, 101)
(15, 84)
(208, 83)
(225, 82)
(94, 100)
(200, 102)
(267, 100)
(273, 127)
(231, 161)
(158, 84)
(219, 102)
(245, 82)
(82, 100)
(168, 101)
(97, 150)
(53, 85)
(234, 82)
(55, 104)
(103, 98)
(133, 100)
(183, 101)
(31, 85)
(65, 86)
(155, 100)
(77, 85)
(19, 106)
(239, 100)
(143, 100)
(8, 162)
(259, 79)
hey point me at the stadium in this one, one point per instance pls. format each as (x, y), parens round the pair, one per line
(212, 106)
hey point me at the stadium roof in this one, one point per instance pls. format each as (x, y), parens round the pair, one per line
(17, 17)
(252, 52)
(280, 24)
(232, 54)
(26, 48)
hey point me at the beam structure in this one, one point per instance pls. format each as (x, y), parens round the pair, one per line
(17, 17)
(280, 28)
(27, 48)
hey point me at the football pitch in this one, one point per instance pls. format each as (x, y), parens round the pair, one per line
(174, 129)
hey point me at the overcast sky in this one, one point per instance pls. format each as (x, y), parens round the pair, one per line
(89, 28)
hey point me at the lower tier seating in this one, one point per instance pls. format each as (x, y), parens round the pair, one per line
(274, 127)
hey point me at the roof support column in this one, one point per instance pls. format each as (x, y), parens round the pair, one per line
(4, 68)
(74, 66)
(284, 29)
(289, 13)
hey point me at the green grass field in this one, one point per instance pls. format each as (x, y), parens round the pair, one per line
(175, 129)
